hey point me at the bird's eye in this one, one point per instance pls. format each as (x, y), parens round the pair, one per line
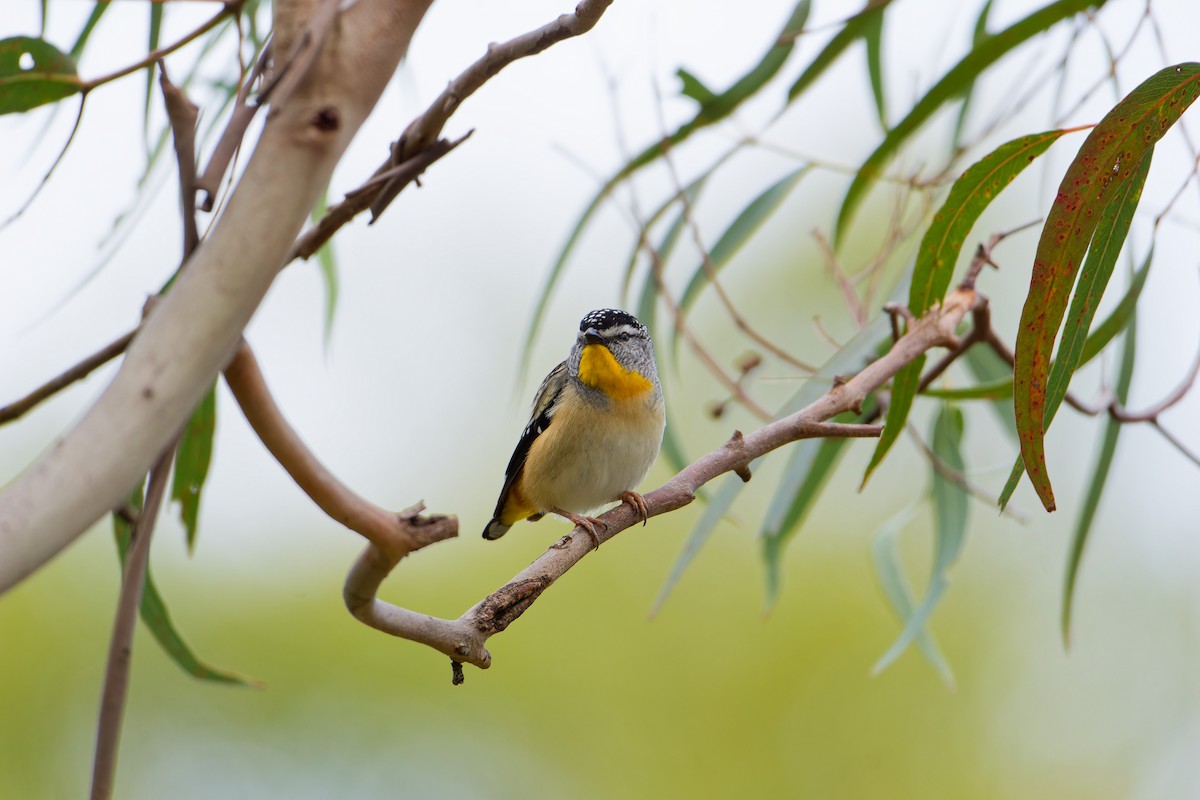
(624, 337)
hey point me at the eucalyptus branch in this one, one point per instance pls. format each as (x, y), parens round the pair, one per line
(423, 131)
(75, 373)
(464, 639)
(120, 646)
(229, 8)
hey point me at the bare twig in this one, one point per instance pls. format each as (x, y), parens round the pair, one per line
(120, 647)
(46, 178)
(464, 639)
(360, 199)
(959, 479)
(182, 114)
(231, 138)
(76, 373)
(229, 8)
(422, 132)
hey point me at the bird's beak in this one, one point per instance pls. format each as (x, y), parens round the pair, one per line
(592, 336)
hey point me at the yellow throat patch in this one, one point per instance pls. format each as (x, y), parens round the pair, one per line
(598, 369)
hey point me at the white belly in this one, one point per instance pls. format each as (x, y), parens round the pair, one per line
(609, 452)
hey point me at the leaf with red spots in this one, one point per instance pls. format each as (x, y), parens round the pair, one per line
(1101, 174)
(940, 248)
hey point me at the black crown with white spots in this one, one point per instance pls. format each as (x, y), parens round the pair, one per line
(603, 319)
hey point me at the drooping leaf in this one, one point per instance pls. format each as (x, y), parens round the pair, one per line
(938, 254)
(1121, 315)
(873, 35)
(978, 36)
(155, 35)
(904, 390)
(988, 368)
(191, 463)
(720, 107)
(951, 85)
(889, 569)
(327, 262)
(34, 72)
(1100, 175)
(1104, 459)
(157, 619)
(855, 28)
(951, 510)
(731, 240)
(813, 461)
(647, 312)
(691, 193)
(81, 40)
(971, 194)
(714, 512)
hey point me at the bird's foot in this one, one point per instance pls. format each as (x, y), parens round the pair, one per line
(639, 505)
(590, 525)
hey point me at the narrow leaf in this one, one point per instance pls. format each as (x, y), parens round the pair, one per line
(813, 461)
(1100, 174)
(855, 28)
(889, 569)
(993, 390)
(971, 194)
(155, 35)
(953, 84)
(904, 389)
(951, 510)
(192, 461)
(157, 619)
(327, 262)
(34, 72)
(691, 194)
(716, 509)
(731, 240)
(1091, 502)
(874, 39)
(979, 35)
(81, 40)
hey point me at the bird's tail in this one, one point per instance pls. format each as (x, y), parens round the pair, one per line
(495, 529)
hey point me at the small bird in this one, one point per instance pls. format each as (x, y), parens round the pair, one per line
(594, 432)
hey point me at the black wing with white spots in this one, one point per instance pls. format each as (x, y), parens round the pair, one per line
(543, 413)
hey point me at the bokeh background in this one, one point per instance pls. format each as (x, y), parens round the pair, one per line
(416, 394)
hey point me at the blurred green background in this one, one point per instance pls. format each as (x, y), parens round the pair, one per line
(416, 395)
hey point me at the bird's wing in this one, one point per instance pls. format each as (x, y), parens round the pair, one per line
(544, 405)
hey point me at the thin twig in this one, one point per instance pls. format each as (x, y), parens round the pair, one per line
(231, 138)
(120, 647)
(230, 7)
(423, 131)
(959, 479)
(182, 114)
(46, 178)
(76, 373)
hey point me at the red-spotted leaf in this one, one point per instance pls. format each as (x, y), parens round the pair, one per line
(34, 72)
(1100, 175)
